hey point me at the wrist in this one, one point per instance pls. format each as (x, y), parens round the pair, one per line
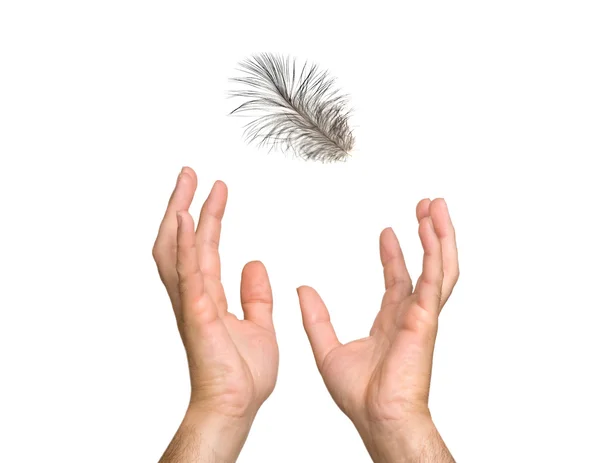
(412, 440)
(213, 437)
(222, 436)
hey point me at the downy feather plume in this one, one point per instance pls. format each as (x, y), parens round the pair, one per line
(294, 107)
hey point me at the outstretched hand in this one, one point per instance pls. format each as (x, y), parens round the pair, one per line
(233, 363)
(381, 382)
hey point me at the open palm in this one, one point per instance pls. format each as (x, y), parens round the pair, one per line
(385, 377)
(233, 363)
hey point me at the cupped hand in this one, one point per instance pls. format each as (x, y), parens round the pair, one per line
(233, 363)
(381, 382)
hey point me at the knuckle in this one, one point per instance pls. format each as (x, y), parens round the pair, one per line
(210, 242)
(183, 286)
(420, 320)
(179, 268)
(161, 250)
(187, 278)
(156, 252)
(258, 294)
(396, 281)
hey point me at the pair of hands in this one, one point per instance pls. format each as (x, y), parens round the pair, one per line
(380, 382)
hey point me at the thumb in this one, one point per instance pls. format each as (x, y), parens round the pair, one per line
(256, 295)
(317, 324)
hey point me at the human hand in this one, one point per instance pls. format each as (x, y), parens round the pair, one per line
(381, 382)
(233, 363)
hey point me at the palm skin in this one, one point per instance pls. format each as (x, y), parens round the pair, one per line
(233, 363)
(381, 382)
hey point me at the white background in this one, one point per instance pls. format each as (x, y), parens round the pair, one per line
(493, 105)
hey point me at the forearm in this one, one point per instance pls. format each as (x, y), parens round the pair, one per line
(206, 438)
(417, 442)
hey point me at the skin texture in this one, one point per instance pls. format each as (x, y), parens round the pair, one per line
(233, 363)
(381, 382)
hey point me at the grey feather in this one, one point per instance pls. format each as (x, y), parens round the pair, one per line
(293, 107)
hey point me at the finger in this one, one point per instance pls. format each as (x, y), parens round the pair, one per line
(422, 212)
(317, 324)
(423, 208)
(256, 295)
(195, 303)
(447, 236)
(429, 287)
(208, 233)
(165, 246)
(395, 274)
